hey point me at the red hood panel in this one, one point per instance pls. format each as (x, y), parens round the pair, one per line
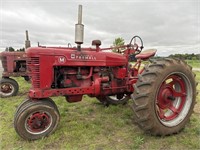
(72, 57)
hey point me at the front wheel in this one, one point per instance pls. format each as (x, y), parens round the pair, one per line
(9, 87)
(36, 119)
(164, 97)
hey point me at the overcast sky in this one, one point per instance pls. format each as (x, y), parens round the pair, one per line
(169, 26)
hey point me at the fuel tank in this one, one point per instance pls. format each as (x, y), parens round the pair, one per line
(71, 57)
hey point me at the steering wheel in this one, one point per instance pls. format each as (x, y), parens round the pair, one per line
(135, 46)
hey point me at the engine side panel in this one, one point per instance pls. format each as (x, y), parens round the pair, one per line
(73, 73)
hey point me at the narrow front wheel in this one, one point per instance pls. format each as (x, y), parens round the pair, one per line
(36, 119)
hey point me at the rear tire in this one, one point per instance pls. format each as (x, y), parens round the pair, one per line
(36, 119)
(9, 87)
(164, 97)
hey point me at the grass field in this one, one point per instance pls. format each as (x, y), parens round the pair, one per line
(90, 125)
(194, 63)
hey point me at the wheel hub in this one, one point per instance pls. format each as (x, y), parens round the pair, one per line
(38, 122)
(165, 97)
(6, 88)
(171, 98)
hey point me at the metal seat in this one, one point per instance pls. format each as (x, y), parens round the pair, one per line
(146, 54)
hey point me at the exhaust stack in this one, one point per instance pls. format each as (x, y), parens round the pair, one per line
(79, 29)
(27, 42)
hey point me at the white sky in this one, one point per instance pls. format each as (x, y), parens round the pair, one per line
(170, 26)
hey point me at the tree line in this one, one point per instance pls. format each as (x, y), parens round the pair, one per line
(186, 56)
(11, 49)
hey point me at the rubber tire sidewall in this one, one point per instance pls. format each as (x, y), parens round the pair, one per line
(106, 100)
(154, 125)
(13, 83)
(178, 127)
(28, 101)
(19, 122)
(117, 102)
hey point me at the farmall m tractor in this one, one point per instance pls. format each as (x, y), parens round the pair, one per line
(14, 65)
(163, 92)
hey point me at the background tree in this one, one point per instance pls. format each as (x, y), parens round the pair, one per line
(9, 49)
(186, 56)
(21, 49)
(118, 42)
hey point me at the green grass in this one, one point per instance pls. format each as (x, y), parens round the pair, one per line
(194, 63)
(90, 125)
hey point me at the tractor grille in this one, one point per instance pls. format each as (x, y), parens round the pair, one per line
(4, 63)
(33, 64)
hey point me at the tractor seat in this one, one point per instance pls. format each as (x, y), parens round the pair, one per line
(146, 54)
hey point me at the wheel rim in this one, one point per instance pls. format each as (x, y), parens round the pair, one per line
(7, 89)
(38, 122)
(118, 97)
(174, 99)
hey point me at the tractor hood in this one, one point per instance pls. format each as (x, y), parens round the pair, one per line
(72, 57)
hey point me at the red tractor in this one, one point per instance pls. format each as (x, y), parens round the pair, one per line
(14, 65)
(163, 92)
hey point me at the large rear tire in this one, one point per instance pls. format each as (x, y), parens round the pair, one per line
(164, 97)
(9, 87)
